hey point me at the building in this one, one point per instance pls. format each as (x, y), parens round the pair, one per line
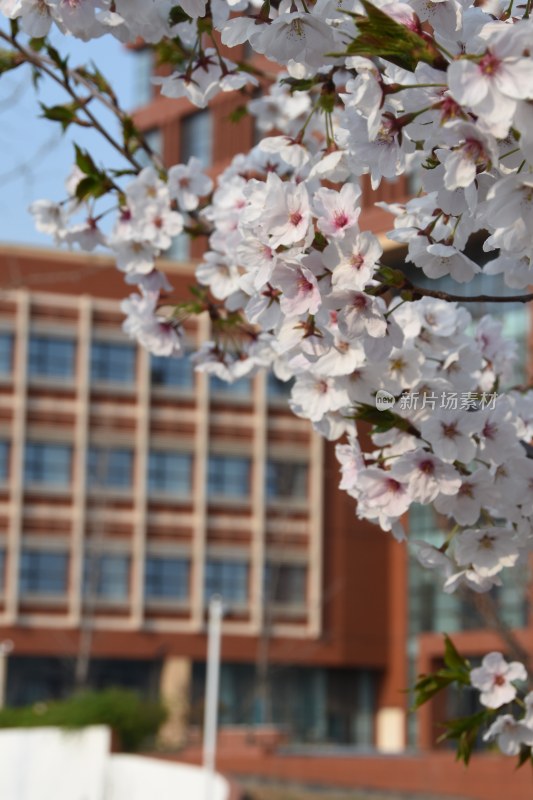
(131, 489)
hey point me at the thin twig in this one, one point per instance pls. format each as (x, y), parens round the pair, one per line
(41, 64)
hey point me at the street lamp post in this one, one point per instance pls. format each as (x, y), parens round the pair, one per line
(211, 692)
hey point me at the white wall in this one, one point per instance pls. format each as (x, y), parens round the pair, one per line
(51, 764)
(140, 778)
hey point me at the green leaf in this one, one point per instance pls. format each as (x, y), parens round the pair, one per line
(37, 44)
(65, 115)
(390, 276)
(97, 79)
(93, 186)
(380, 35)
(9, 59)
(299, 84)
(237, 114)
(525, 755)
(85, 162)
(428, 686)
(465, 730)
(61, 63)
(455, 662)
(382, 421)
(177, 15)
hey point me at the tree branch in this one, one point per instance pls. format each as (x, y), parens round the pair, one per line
(480, 298)
(46, 66)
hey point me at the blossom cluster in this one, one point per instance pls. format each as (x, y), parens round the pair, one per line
(495, 679)
(448, 97)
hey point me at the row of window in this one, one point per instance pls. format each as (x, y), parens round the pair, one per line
(114, 362)
(169, 472)
(108, 577)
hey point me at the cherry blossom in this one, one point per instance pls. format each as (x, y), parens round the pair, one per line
(494, 679)
(291, 267)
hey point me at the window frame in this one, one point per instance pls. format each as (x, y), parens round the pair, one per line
(162, 362)
(107, 454)
(217, 478)
(155, 567)
(94, 584)
(42, 359)
(40, 572)
(191, 138)
(6, 353)
(108, 375)
(300, 480)
(165, 487)
(44, 468)
(234, 590)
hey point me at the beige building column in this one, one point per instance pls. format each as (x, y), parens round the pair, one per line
(174, 690)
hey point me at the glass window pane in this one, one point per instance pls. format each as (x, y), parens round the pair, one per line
(286, 479)
(286, 584)
(228, 476)
(143, 70)
(239, 388)
(47, 464)
(167, 578)
(154, 139)
(51, 356)
(107, 576)
(43, 572)
(229, 579)
(110, 467)
(4, 461)
(180, 249)
(277, 389)
(6, 353)
(169, 472)
(196, 137)
(172, 371)
(112, 362)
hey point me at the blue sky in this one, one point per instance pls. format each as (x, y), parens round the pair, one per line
(35, 157)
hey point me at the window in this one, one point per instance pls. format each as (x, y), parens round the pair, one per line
(277, 389)
(6, 353)
(196, 137)
(229, 579)
(228, 476)
(109, 468)
(172, 372)
(112, 362)
(51, 357)
(2, 570)
(180, 249)
(166, 578)
(143, 69)
(286, 584)
(107, 576)
(431, 609)
(47, 464)
(154, 139)
(43, 572)
(4, 461)
(239, 388)
(169, 472)
(285, 479)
